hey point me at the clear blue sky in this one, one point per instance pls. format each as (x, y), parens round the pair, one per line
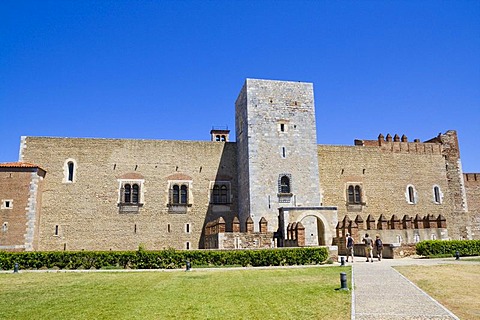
(172, 69)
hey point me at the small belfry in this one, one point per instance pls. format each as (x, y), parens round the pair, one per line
(220, 134)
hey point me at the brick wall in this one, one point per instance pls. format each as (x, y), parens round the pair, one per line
(20, 207)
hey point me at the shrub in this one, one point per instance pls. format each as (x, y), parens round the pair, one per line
(441, 247)
(164, 259)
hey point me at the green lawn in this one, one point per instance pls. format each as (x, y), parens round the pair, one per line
(290, 293)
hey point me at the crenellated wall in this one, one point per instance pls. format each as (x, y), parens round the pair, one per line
(384, 169)
(216, 236)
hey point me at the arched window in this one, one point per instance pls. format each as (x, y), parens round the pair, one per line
(184, 194)
(354, 194)
(71, 168)
(176, 194)
(351, 196)
(358, 196)
(127, 193)
(223, 194)
(130, 197)
(216, 193)
(223, 138)
(135, 193)
(217, 137)
(220, 193)
(411, 194)
(284, 185)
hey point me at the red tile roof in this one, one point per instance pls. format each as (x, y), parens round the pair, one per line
(18, 165)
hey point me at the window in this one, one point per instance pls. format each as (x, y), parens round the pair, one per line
(411, 195)
(56, 230)
(7, 204)
(130, 193)
(71, 167)
(284, 185)
(187, 228)
(217, 137)
(69, 171)
(437, 195)
(220, 192)
(284, 152)
(5, 227)
(179, 194)
(354, 194)
(187, 245)
(282, 127)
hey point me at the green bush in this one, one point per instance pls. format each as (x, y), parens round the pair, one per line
(442, 248)
(165, 259)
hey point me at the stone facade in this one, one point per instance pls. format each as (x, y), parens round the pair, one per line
(274, 186)
(472, 190)
(276, 138)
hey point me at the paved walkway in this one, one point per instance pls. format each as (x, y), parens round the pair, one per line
(380, 292)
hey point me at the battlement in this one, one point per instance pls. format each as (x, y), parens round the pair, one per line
(471, 177)
(401, 144)
(216, 236)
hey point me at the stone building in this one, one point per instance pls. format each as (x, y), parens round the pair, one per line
(274, 186)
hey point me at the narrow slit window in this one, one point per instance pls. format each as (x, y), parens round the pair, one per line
(71, 168)
(436, 193)
(284, 152)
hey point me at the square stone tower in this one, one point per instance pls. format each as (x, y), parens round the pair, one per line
(276, 149)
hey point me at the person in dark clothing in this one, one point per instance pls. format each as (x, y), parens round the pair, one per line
(349, 244)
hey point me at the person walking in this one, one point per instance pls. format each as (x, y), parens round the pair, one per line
(349, 244)
(378, 247)
(368, 247)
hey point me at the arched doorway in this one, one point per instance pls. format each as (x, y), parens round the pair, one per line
(314, 231)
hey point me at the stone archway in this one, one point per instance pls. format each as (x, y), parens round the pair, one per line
(314, 231)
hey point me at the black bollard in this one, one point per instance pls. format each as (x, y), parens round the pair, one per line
(457, 255)
(343, 281)
(15, 268)
(342, 261)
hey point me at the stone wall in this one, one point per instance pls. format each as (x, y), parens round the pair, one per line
(84, 214)
(384, 171)
(216, 236)
(472, 188)
(276, 129)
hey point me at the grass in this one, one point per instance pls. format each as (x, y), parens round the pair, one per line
(456, 286)
(290, 293)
